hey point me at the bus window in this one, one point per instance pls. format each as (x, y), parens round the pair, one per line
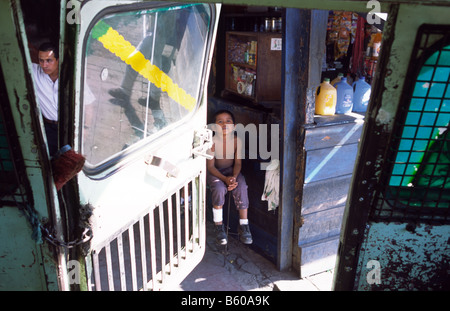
(142, 73)
(419, 183)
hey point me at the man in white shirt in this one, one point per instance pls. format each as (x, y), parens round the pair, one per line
(46, 82)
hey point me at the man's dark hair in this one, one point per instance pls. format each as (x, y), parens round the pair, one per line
(49, 46)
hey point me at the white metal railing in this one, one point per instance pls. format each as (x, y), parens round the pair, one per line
(163, 245)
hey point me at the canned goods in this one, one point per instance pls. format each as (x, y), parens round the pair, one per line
(274, 24)
(267, 26)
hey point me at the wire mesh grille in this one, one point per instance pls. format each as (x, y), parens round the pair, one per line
(417, 187)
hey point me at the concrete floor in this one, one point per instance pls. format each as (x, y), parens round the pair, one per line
(241, 269)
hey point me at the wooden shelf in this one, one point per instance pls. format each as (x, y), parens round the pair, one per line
(244, 65)
(260, 81)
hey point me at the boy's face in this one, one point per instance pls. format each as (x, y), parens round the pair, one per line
(225, 121)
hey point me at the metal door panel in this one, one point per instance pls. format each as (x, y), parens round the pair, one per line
(143, 184)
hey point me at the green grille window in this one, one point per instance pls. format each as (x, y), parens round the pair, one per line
(418, 184)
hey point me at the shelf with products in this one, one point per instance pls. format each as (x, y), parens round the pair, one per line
(254, 19)
(253, 65)
(353, 46)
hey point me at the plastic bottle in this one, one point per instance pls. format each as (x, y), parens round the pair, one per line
(246, 53)
(376, 45)
(350, 80)
(344, 102)
(361, 95)
(337, 79)
(252, 53)
(326, 98)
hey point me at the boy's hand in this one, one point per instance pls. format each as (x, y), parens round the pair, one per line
(231, 183)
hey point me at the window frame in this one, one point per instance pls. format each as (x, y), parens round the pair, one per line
(118, 160)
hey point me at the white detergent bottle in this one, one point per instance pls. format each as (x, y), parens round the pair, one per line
(361, 95)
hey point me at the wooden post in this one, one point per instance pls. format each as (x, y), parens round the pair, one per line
(295, 65)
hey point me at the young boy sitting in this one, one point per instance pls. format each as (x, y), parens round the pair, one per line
(224, 174)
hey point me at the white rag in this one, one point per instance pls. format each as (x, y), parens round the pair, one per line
(272, 185)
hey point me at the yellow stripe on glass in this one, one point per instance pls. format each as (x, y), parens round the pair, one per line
(116, 44)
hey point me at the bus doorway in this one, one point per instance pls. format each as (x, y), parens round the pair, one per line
(294, 53)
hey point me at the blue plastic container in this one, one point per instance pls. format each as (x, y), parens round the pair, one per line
(344, 103)
(361, 95)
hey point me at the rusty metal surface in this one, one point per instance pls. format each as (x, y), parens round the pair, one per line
(367, 169)
(410, 257)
